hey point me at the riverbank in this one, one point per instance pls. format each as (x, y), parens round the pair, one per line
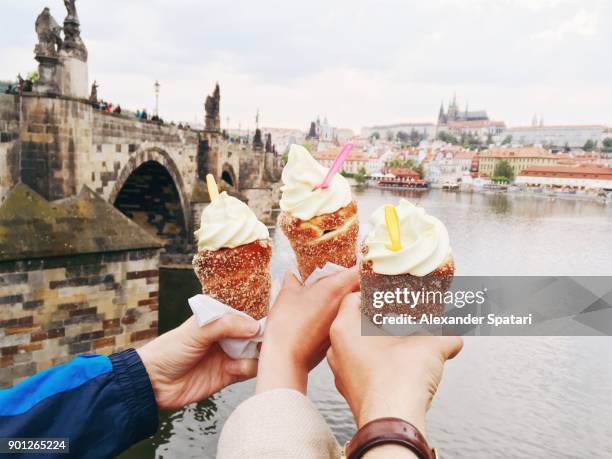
(577, 195)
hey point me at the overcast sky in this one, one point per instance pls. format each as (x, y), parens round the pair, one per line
(358, 62)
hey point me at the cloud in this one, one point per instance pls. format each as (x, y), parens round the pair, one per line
(358, 62)
(582, 23)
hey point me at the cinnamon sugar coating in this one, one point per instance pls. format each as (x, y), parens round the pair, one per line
(324, 238)
(436, 281)
(239, 277)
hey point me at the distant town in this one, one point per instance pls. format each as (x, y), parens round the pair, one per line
(465, 150)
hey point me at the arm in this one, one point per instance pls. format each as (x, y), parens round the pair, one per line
(386, 376)
(279, 421)
(99, 403)
(106, 404)
(277, 424)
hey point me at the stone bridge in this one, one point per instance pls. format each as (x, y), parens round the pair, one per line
(154, 173)
(56, 140)
(76, 275)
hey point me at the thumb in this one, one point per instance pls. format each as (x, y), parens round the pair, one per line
(349, 315)
(229, 326)
(337, 286)
(242, 368)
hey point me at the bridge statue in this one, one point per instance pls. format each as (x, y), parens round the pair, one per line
(212, 106)
(49, 34)
(93, 96)
(73, 44)
(71, 8)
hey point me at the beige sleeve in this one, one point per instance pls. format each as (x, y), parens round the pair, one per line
(279, 423)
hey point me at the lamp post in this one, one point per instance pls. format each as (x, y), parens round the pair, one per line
(156, 86)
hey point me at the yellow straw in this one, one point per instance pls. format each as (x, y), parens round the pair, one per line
(393, 228)
(213, 191)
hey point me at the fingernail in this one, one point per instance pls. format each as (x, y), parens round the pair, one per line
(234, 368)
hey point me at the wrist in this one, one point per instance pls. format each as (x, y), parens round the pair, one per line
(279, 369)
(381, 405)
(147, 362)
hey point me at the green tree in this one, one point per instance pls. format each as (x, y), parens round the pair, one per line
(470, 141)
(375, 135)
(448, 138)
(360, 177)
(402, 137)
(607, 142)
(503, 170)
(33, 76)
(409, 163)
(589, 145)
(507, 140)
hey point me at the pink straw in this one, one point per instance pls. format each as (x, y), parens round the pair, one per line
(335, 167)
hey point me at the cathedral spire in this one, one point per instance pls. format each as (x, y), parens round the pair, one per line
(441, 116)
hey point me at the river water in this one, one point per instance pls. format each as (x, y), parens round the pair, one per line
(502, 397)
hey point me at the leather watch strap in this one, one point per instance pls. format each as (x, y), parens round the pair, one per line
(388, 430)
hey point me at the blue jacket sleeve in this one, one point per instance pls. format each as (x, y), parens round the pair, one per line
(103, 405)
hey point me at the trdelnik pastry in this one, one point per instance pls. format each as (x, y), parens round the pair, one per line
(319, 215)
(234, 253)
(406, 248)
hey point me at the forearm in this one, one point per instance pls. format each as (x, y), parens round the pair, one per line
(278, 370)
(96, 402)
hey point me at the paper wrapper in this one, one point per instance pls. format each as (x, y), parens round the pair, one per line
(207, 309)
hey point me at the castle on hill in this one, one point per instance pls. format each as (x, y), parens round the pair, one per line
(454, 114)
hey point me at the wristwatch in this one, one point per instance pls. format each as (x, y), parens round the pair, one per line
(388, 430)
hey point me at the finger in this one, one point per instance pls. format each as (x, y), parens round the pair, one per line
(340, 284)
(331, 358)
(241, 368)
(451, 346)
(350, 308)
(290, 281)
(348, 320)
(229, 326)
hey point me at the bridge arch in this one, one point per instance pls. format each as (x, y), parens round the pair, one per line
(151, 191)
(229, 176)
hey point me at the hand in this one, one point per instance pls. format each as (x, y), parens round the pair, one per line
(187, 365)
(382, 376)
(297, 329)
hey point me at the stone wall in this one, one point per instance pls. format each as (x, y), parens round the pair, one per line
(9, 143)
(259, 181)
(52, 309)
(54, 132)
(117, 139)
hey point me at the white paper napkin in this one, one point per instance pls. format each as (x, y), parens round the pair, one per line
(206, 309)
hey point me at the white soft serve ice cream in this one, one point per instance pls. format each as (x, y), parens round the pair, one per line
(301, 173)
(424, 239)
(228, 222)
